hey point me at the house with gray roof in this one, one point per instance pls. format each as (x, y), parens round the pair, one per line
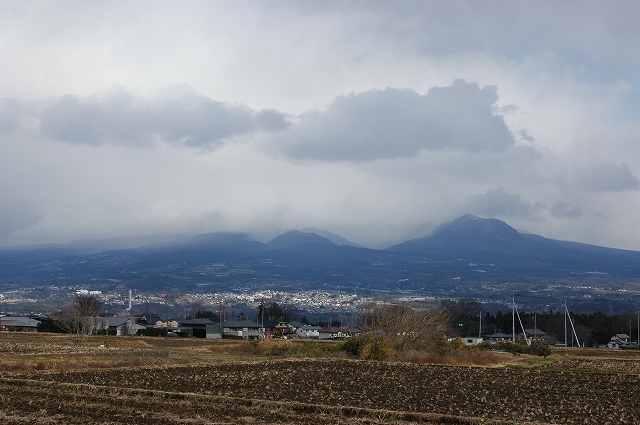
(19, 324)
(308, 331)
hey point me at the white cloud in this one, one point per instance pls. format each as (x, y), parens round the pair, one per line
(400, 123)
(341, 116)
(608, 177)
(11, 114)
(183, 118)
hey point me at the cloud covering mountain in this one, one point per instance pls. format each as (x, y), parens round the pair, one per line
(371, 120)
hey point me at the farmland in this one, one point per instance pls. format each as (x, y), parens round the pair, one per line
(47, 379)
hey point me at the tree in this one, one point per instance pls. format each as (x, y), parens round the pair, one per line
(274, 311)
(207, 314)
(198, 311)
(79, 317)
(405, 328)
(49, 325)
(463, 314)
(289, 312)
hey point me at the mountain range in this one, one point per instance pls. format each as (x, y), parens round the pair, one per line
(453, 259)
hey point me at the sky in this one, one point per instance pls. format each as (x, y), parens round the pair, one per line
(374, 120)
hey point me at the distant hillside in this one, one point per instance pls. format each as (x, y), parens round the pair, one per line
(449, 262)
(298, 239)
(336, 239)
(494, 241)
(471, 233)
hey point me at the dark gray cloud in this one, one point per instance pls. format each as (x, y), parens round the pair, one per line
(270, 120)
(608, 177)
(499, 202)
(184, 119)
(16, 216)
(564, 210)
(395, 123)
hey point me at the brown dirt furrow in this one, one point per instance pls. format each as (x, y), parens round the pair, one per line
(36, 402)
(489, 393)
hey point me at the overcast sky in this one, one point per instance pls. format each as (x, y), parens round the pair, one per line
(374, 120)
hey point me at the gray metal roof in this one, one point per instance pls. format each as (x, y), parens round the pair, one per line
(239, 324)
(535, 332)
(21, 321)
(191, 322)
(311, 328)
(117, 321)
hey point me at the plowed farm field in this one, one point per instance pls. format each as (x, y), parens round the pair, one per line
(319, 391)
(46, 379)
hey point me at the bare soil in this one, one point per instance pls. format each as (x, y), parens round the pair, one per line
(567, 388)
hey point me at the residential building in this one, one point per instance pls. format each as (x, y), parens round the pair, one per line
(19, 324)
(308, 331)
(536, 336)
(241, 329)
(337, 332)
(472, 340)
(621, 341)
(498, 338)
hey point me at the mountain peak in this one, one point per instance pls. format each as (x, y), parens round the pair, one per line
(336, 239)
(470, 232)
(296, 238)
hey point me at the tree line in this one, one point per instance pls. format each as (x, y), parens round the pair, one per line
(591, 328)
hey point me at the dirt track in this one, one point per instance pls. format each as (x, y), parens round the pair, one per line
(320, 391)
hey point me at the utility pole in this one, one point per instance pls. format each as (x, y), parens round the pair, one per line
(565, 323)
(166, 317)
(513, 316)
